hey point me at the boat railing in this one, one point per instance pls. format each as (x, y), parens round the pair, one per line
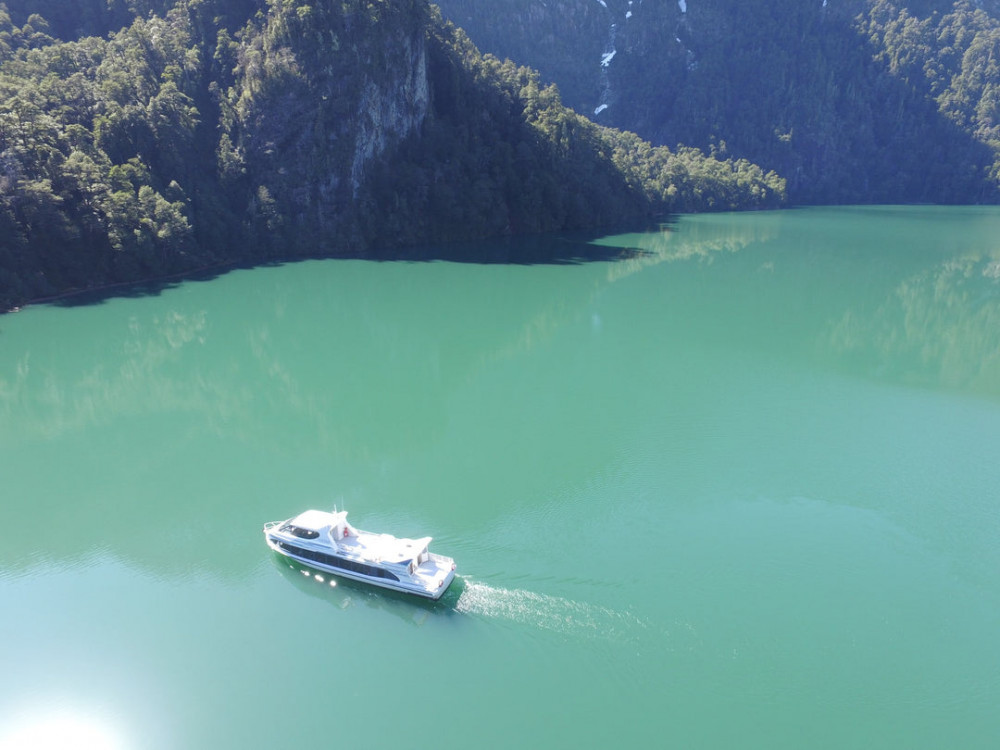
(271, 524)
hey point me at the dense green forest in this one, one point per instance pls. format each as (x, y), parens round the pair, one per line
(852, 101)
(142, 138)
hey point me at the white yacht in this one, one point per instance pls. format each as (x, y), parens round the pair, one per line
(326, 541)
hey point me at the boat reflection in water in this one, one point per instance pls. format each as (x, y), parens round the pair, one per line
(344, 593)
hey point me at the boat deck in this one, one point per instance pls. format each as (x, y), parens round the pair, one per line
(381, 547)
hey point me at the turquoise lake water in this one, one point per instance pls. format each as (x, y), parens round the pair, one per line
(739, 488)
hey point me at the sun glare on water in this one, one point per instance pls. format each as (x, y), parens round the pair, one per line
(60, 730)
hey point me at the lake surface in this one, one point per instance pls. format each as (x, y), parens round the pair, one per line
(739, 488)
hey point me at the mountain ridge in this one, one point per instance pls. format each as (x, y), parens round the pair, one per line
(852, 101)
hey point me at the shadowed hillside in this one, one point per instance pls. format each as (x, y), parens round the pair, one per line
(850, 100)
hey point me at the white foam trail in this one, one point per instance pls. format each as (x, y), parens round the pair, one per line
(547, 612)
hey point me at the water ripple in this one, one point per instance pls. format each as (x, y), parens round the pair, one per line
(551, 613)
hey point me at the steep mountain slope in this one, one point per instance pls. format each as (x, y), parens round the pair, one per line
(850, 100)
(210, 132)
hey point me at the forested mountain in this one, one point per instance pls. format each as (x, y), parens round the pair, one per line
(850, 100)
(140, 138)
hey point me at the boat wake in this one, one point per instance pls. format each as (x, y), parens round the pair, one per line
(550, 613)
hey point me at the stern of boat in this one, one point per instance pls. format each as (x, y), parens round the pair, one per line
(443, 575)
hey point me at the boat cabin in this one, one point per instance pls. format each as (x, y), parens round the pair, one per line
(382, 548)
(312, 523)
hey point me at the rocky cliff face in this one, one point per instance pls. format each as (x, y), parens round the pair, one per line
(324, 91)
(392, 108)
(569, 36)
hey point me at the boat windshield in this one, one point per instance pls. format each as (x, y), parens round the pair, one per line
(299, 531)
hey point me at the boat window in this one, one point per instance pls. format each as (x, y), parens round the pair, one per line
(338, 562)
(299, 531)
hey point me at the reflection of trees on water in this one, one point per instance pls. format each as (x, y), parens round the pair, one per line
(841, 287)
(939, 328)
(702, 238)
(144, 365)
(307, 371)
(228, 374)
(122, 375)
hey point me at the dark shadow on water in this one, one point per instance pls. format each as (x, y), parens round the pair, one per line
(347, 593)
(565, 248)
(146, 287)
